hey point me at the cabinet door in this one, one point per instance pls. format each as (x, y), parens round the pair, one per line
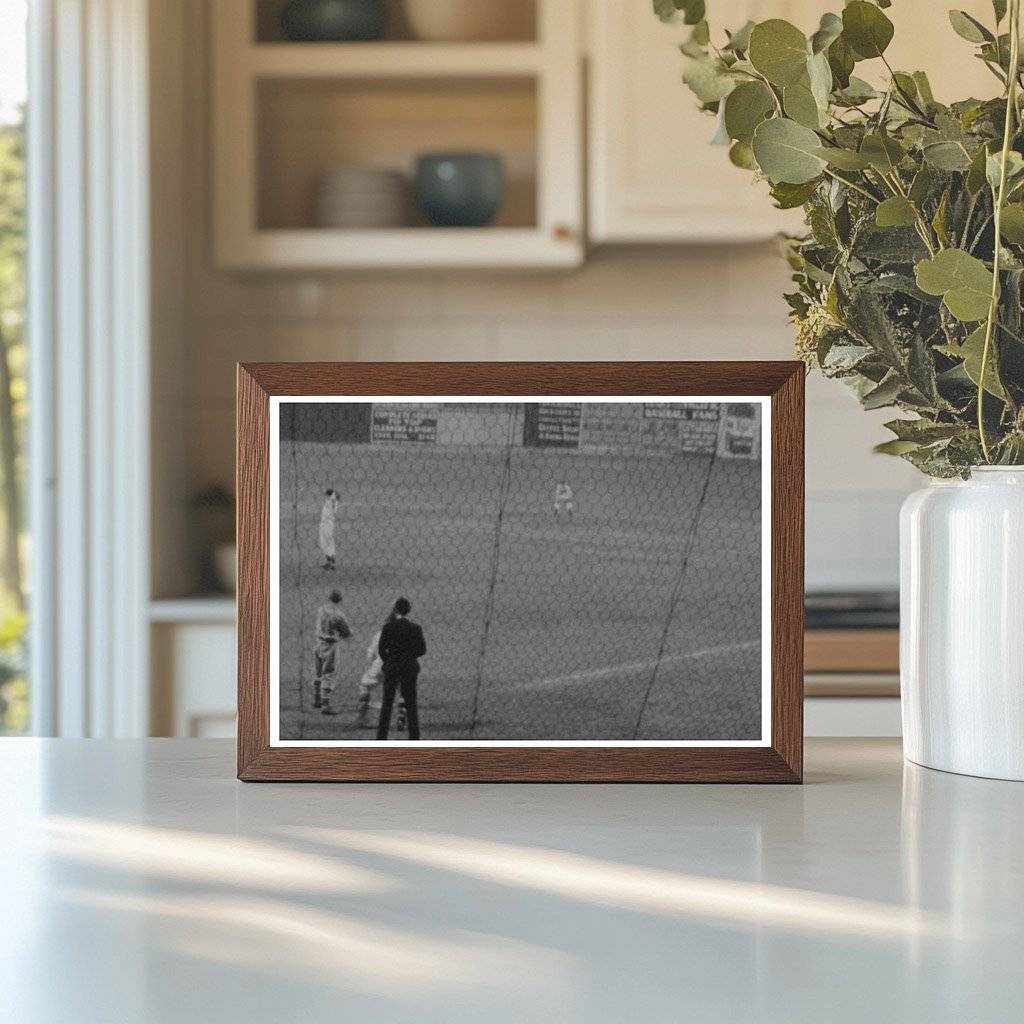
(654, 176)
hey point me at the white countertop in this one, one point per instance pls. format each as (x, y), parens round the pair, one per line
(140, 882)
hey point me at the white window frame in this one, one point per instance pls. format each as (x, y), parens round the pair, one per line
(88, 332)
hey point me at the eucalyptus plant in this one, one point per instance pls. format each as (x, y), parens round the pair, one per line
(910, 277)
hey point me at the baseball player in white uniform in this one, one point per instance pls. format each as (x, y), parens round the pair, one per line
(331, 630)
(565, 502)
(327, 527)
(372, 677)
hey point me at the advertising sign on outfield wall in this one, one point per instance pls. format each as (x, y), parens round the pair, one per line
(551, 426)
(740, 436)
(692, 429)
(416, 424)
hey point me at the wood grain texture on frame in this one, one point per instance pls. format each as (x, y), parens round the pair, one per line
(782, 761)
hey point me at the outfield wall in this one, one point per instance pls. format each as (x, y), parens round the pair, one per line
(698, 428)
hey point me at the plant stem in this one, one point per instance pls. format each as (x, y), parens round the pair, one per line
(970, 215)
(923, 230)
(1011, 109)
(853, 185)
(981, 231)
(771, 91)
(907, 99)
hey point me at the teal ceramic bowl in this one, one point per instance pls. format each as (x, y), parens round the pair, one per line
(460, 189)
(334, 21)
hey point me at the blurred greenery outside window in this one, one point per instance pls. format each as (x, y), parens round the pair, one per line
(14, 538)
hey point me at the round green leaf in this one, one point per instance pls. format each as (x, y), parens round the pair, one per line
(883, 152)
(840, 62)
(994, 165)
(844, 159)
(976, 173)
(963, 281)
(969, 28)
(819, 75)
(858, 91)
(779, 51)
(693, 11)
(947, 156)
(866, 29)
(829, 30)
(701, 34)
(801, 106)
(924, 87)
(896, 447)
(665, 10)
(787, 152)
(788, 197)
(707, 79)
(921, 187)
(741, 155)
(972, 352)
(740, 39)
(745, 108)
(1012, 225)
(690, 12)
(905, 85)
(895, 212)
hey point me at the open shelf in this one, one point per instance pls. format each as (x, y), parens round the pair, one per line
(286, 114)
(520, 22)
(309, 127)
(410, 248)
(393, 60)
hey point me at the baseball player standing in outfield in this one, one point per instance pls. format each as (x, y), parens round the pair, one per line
(401, 646)
(564, 500)
(327, 527)
(331, 630)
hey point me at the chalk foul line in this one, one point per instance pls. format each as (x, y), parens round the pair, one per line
(611, 671)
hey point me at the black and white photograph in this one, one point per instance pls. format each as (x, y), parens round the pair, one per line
(542, 571)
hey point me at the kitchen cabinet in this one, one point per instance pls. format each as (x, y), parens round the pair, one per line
(653, 177)
(193, 667)
(286, 114)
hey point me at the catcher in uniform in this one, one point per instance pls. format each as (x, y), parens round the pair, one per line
(331, 630)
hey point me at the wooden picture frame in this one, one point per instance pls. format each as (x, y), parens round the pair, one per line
(778, 758)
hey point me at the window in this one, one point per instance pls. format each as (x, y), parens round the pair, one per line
(14, 691)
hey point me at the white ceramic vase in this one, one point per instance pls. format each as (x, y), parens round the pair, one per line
(962, 624)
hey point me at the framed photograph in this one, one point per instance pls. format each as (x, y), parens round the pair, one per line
(578, 572)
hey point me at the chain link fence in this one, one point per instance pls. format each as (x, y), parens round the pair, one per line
(581, 571)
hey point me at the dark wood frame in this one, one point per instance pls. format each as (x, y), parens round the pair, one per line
(782, 761)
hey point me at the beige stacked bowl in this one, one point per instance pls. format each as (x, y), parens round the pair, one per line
(470, 20)
(362, 197)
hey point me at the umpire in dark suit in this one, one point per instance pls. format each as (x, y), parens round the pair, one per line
(400, 648)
